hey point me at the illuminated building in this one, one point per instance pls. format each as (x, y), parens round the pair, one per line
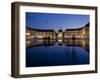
(78, 33)
(60, 34)
(40, 33)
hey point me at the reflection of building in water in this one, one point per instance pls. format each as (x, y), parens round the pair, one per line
(39, 42)
(84, 43)
(60, 41)
(79, 33)
(77, 42)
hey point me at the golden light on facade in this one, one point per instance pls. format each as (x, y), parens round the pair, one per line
(60, 35)
(83, 31)
(28, 33)
(68, 33)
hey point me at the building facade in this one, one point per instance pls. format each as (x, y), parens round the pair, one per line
(79, 33)
(40, 34)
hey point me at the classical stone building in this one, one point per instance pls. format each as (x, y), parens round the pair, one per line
(40, 33)
(79, 33)
(60, 34)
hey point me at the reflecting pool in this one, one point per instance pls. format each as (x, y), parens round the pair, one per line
(56, 52)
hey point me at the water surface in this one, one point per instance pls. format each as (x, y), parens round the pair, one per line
(56, 53)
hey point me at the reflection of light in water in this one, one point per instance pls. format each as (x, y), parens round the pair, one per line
(39, 36)
(37, 42)
(28, 42)
(83, 43)
(60, 40)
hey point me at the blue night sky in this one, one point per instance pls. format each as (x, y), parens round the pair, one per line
(55, 21)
